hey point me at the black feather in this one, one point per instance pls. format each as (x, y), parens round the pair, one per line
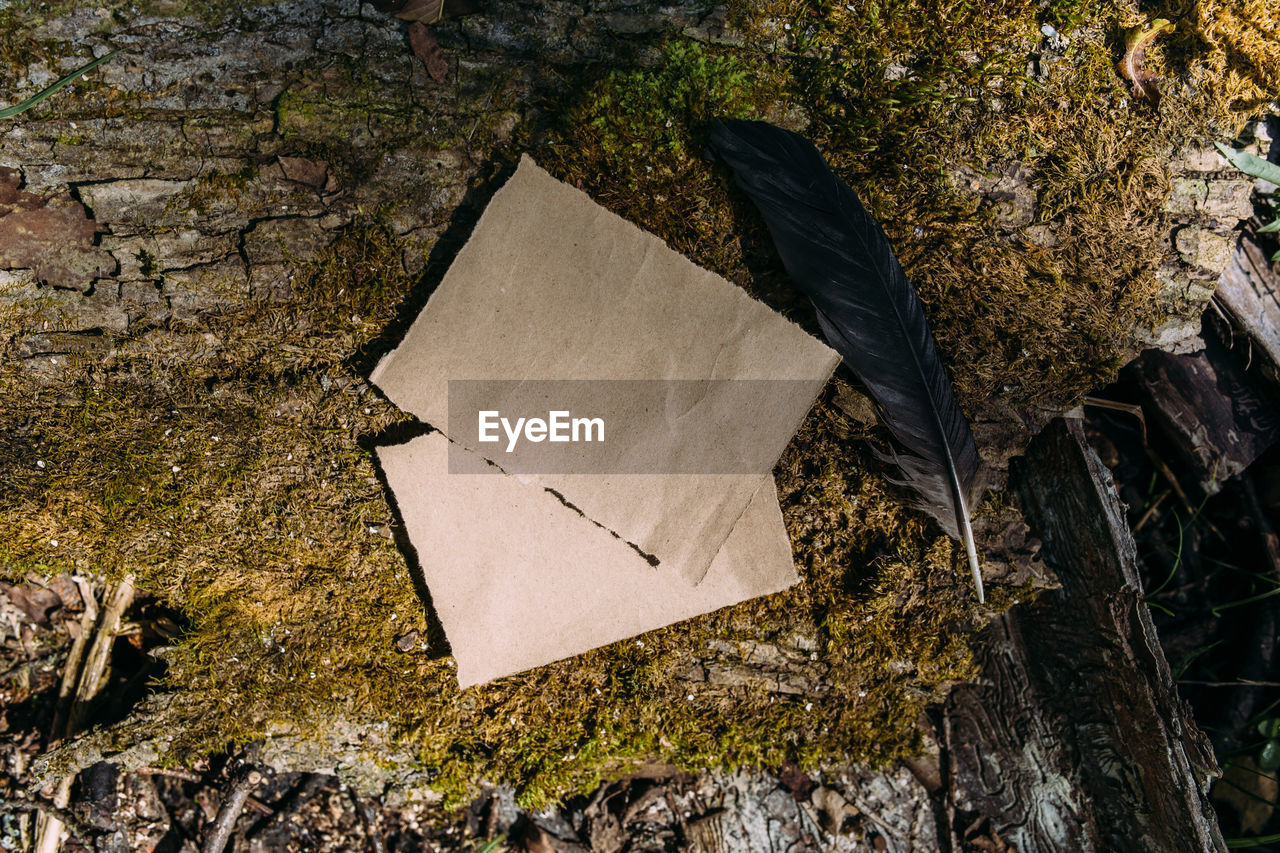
(840, 257)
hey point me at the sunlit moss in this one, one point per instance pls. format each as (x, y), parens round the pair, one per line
(239, 486)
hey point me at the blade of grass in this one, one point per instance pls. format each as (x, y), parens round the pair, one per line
(1217, 611)
(1251, 165)
(1177, 560)
(10, 112)
(1243, 843)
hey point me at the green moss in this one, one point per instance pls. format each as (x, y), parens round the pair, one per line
(215, 187)
(267, 537)
(639, 113)
(268, 534)
(634, 138)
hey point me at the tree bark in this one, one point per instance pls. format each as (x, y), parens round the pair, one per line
(1075, 738)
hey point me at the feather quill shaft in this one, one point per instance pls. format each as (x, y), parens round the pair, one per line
(840, 257)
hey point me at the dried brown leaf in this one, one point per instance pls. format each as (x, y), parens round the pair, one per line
(428, 11)
(833, 809)
(426, 48)
(534, 839)
(406, 642)
(1132, 66)
(35, 602)
(796, 780)
(310, 173)
(52, 236)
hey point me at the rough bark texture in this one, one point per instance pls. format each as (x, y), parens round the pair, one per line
(1221, 419)
(1246, 295)
(1075, 739)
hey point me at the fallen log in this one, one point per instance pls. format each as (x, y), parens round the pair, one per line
(1075, 738)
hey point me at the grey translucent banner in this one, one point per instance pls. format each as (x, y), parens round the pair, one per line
(623, 426)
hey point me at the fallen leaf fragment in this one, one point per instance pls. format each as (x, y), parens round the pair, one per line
(310, 173)
(426, 48)
(429, 11)
(52, 236)
(1132, 66)
(833, 809)
(406, 642)
(535, 839)
(33, 601)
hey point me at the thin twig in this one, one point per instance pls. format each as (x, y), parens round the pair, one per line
(173, 772)
(259, 806)
(370, 821)
(291, 802)
(220, 830)
(71, 669)
(88, 677)
(1267, 533)
(53, 813)
(1116, 406)
(1151, 510)
(1171, 478)
(94, 674)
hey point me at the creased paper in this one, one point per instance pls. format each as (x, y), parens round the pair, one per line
(532, 567)
(519, 580)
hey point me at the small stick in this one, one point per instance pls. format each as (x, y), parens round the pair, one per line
(259, 806)
(1116, 406)
(71, 669)
(52, 812)
(95, 665)
(1270, 541)
(1241, 682)
(88, 677)
(1151, 510)
(229, 812)
(173, 772)
(369, 820)
(291, 802)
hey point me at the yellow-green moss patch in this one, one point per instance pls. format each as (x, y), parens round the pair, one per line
(240, 487)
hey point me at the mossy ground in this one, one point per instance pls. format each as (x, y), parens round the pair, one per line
(240, 488)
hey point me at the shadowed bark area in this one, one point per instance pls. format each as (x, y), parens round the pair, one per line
(1075, 738)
